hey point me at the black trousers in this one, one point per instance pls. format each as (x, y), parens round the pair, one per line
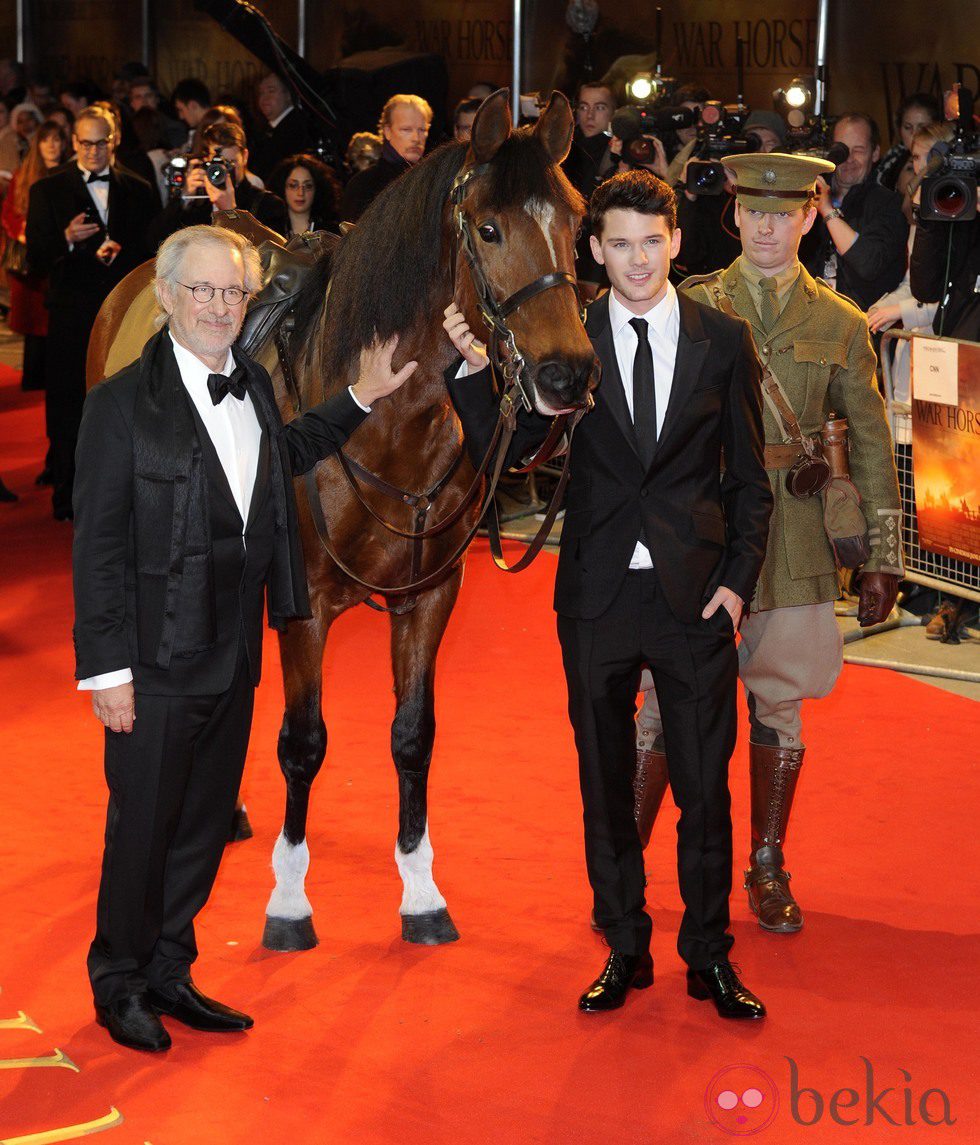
(172, 788)
(695, 670)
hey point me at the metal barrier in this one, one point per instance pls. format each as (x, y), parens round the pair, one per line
(922, 566)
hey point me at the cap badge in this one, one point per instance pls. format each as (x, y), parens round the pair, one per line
(769, 176)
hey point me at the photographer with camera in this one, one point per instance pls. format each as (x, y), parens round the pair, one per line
(860, 235)
(944, 266)
(706, 202)
(216, 182)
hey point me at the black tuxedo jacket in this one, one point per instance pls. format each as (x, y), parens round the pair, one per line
(77, 278)
(270, 145)
(163, 583)
(703, 529)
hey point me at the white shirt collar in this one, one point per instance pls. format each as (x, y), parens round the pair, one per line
(657, 316)
(279, 118)
(85, 173)
(193, 371)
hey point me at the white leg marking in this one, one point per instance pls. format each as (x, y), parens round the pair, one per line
(290, 864)
(421, 895)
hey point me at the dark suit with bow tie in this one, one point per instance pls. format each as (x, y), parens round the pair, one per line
(168, 582)
(701, 532)
(78, 285)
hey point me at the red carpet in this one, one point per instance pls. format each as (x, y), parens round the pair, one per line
(367, 1039)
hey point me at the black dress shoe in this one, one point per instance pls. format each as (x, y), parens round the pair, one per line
(720, 983)
(132, 1022)
(188, 1005)
(608, 991)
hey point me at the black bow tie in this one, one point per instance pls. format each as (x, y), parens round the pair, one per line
(93, 178)
(220, 385)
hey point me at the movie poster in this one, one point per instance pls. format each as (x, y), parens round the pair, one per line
(946, 447)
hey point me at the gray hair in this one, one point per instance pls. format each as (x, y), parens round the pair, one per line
(170, 256)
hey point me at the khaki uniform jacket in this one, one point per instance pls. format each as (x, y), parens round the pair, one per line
(821, 353)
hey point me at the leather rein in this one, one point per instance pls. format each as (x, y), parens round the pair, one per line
(509, 363)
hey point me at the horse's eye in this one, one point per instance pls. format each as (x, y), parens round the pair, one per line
(489, 233)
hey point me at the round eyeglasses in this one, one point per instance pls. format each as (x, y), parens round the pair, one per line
(204, 292)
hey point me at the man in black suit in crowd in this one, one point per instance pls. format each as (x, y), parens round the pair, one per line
(660, 552)
(200, 198)
(286, 130)
(185, 523)
(86, 229)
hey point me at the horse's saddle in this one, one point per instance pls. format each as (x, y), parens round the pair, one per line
(285, 270)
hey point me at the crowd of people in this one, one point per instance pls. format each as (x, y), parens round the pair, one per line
(90, 190)
(786, 275)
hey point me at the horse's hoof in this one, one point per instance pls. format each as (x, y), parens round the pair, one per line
(432, 928)
(241, 828)
(289, 934)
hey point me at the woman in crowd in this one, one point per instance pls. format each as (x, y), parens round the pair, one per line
(15, 139)
(28, 315)
(895, 167)
(311, 192)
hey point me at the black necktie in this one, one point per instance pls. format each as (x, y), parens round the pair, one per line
(219, 385)
(93, 178)
(644, 393)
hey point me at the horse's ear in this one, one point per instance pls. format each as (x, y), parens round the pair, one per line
(554, 128)
(491, 126)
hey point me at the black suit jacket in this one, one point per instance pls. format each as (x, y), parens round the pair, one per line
(702, 531)
(270, 145)
(77, 278)
(162, 580)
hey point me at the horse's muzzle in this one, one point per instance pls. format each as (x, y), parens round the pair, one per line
(563, 384)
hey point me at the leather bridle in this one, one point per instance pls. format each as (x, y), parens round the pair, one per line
(502, 347)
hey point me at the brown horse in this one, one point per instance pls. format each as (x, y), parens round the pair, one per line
(395, 274)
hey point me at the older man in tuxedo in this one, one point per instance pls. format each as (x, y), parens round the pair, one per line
(86, 229)
(660, 552)
(185, 524)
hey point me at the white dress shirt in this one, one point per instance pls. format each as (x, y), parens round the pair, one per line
(663, 329)
(98, 193)
(234, 429)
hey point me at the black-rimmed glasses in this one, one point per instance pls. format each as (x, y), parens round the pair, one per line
(204, 292)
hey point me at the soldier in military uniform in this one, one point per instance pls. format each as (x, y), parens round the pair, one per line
(820, 360)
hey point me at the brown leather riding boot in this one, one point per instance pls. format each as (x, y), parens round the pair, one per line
(649, 785)
(774, 772)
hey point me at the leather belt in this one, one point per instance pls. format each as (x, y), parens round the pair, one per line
(782, 456)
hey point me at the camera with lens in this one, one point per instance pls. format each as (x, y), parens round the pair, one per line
(814, 137)
(175, 175)
(638, 124)
(948, 189)
(720, 133)
(217, 169)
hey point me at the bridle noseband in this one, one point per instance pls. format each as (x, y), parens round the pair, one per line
(504, 352)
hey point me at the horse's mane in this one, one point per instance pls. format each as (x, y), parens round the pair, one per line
(383, 275)
(385, 269)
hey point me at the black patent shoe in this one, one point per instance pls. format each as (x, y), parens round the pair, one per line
(132, 1022)
(621, 972)
(721, 984)
(187, 1004)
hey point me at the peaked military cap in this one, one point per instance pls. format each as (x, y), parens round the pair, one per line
(775, 182)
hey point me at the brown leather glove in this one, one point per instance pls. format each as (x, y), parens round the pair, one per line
(878, 592)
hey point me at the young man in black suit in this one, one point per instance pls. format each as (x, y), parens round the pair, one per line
(659, 555)
(185, 524)
(86, 229)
